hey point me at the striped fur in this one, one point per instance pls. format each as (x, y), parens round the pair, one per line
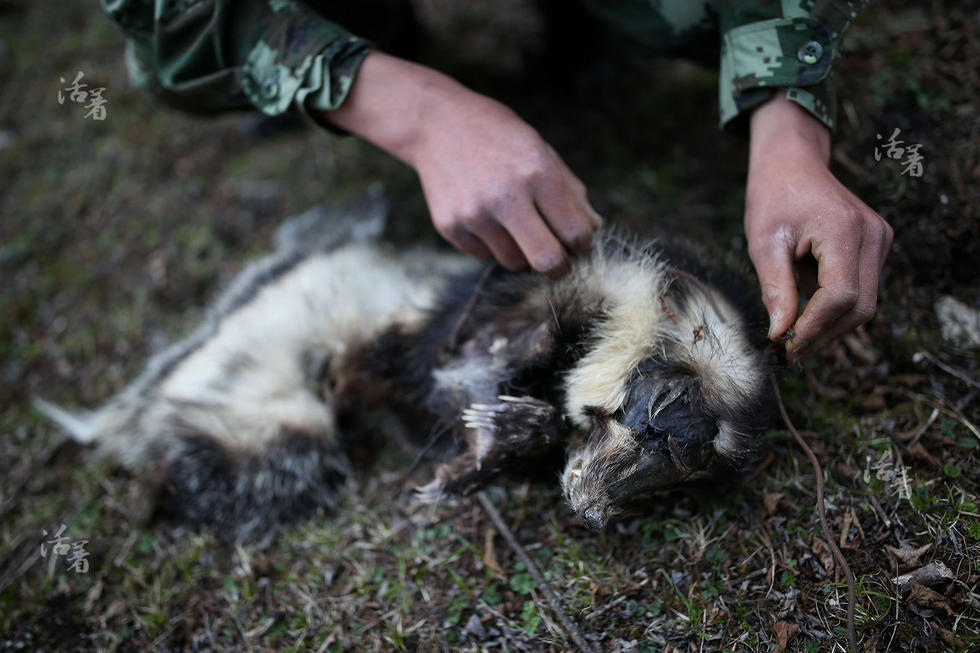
(647, 365)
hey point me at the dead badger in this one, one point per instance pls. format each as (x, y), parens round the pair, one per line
(638, 361)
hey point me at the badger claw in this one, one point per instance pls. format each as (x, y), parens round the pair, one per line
(514, 427)
(431, 492)
(498, 435)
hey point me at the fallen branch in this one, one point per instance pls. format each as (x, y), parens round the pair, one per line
(949, 369)
(571, 629)
(818, 471)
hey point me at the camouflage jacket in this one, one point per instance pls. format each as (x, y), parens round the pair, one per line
(214, 55)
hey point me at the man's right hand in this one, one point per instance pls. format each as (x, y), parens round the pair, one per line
(494, 187)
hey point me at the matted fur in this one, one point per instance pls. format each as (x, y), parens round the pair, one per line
(648, 366)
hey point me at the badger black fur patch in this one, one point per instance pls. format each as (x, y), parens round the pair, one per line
(640, 364)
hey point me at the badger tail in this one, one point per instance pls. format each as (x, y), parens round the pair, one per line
(199, 469)
(78, 426)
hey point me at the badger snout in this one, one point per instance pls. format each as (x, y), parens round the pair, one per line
(594, 519)
(597, 497)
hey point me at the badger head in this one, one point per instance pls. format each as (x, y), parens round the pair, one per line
(682, 401)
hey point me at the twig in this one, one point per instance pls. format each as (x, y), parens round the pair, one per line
(33, 553)
(570, 628)
(16, 568)
(949, 369)
(955, 414)
(922, 429)
(818, 471)
(470, 303)
(33, 470)
(434, 437)
(880, 510)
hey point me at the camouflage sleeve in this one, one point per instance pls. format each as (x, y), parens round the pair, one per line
(216, 55)
(787, 47)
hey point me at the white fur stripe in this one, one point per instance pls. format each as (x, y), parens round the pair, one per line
(719, 353)
(633, 324)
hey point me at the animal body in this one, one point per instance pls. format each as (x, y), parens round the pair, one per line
(639, 364)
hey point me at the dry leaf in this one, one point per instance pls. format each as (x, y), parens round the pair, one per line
(489, 556)
(920, 452)
(875, 400)
(115, 609)
(784, 633)
(947, 635)
(598, 589)
(845, 471)
(908, 556)
(787, 504)
(823, 553)
(771, 500)
(908, 380)
(845, 529)
(928, 598)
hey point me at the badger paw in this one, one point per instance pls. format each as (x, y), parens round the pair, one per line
(497, 435)
(514, 427)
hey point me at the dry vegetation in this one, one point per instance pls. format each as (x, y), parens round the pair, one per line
(114, 234)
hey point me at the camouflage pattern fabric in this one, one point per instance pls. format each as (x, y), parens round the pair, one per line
(766, 46)
(213, 55)
(793, 51)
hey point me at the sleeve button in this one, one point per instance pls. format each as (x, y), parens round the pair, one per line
(270, 88)
(810, 52)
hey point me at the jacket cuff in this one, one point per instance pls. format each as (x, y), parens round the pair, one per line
(792, 55)
(301, 58)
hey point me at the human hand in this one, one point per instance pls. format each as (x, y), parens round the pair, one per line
(800, 218)
(494, 187)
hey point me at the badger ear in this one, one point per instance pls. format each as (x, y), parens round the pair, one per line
(733, 445)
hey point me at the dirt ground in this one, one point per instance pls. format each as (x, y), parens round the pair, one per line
(116, 233)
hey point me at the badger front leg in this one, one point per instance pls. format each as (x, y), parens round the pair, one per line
(497, 435)
(475, 389)
(513, 427)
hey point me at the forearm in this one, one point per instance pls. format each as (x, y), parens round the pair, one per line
(395, 104)
(389, 101)
(780, 124)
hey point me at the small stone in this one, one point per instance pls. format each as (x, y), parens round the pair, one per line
(475, 628)
(959, 324)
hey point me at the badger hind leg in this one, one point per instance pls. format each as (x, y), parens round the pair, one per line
(244, 495)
